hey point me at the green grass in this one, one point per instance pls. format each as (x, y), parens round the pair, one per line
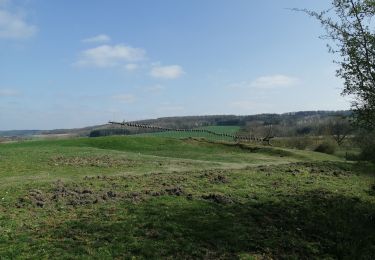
(232, 130)
(164, 198)
(222, 129)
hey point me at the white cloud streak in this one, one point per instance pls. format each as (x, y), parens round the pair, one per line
(13, 26)
(267, 82)
(125, 98)
(274, 81)
(101, 38)
(131, 66)
(110, 56)
(9, 93)
(155, 88)
(167, 72)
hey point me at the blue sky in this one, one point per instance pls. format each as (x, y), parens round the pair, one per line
(74, 63)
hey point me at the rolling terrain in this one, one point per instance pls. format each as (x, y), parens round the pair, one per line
(153, 197)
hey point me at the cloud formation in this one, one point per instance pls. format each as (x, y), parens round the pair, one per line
(243, 104)
(167, 72)
(131, 66)
(155, 88)
(267, 82)
(9, 93)
(110, 56)
(101, 38)
(13, 26)
(274, 81)
(125, 98)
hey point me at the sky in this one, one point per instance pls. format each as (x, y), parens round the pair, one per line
(75, 63)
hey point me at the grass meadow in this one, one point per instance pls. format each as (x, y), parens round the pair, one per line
(151, 197)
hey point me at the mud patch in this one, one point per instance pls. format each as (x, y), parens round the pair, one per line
(35, 197)
(215, 177)
(72, 195)
(176, 191)
(61, 194)
(135, 197)
(324, 168)
(94, 161)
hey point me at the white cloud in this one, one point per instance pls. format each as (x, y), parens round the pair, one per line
(267, 82)
(248, 106)
(167, 72)
(9, 93)
(274, 81)
(131, 66)
(110, 56)
(170, 109)
(155, 88)
(101, 38)
(126, 98)
(243, 104)
(14, 27)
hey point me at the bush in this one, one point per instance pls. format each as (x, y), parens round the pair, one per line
(326, 147)
(300, 143)
(368, 153)
(366, 141)
(352, 156)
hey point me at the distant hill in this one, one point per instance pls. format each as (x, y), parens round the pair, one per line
(292, 119)
(19, 133)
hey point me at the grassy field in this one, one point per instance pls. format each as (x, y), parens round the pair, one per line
(232, 130)
(142, 197)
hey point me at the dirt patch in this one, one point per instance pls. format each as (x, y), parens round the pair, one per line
(215, 176)
(135, 197)
(109, 178)
(219, 178)
(72, 195)
(35, 197)
(324, 168)
(218, 198)
(82, 194)
(94, 161)
(176, 191)
(293, 171)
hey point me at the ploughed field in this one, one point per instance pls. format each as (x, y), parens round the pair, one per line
(153, 197)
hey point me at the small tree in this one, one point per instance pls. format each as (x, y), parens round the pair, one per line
(339, 129)
(350, 28)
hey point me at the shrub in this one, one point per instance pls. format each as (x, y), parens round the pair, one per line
(352, 156)
(368, 153)
(108, 132)
(326, 147)
(300, 142)
(366, 141)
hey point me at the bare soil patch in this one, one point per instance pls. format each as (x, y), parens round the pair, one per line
(93, 161)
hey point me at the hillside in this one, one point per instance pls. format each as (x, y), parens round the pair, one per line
(291, 120)
(153, 197)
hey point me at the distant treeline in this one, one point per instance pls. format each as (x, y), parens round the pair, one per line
(305, 123)
(10, 133)
(109, 131)
(287, 124)
(223, 120)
